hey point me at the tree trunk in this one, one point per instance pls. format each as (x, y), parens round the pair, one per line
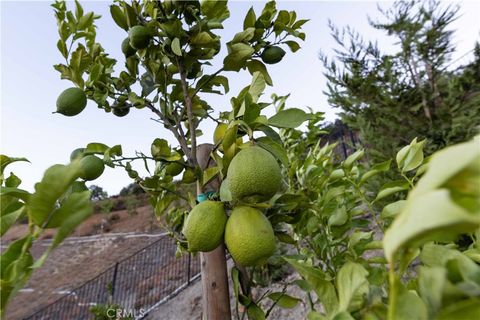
(216, 297)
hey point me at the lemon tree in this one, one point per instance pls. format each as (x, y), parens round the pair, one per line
(166, 73)
(274, 194)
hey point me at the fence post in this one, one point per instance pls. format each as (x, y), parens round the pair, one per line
(114, 280)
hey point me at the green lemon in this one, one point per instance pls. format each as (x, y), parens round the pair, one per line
(127, 49)
(77, 154)
(120, 111)
(173, 169)
(204, 226)
(249, 236)
(219, 132)
(272, 55)
(139, 37)
(71, 102)
(225, 194)
(91, 167)
(253, 175)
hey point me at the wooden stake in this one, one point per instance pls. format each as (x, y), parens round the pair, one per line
(216, 297)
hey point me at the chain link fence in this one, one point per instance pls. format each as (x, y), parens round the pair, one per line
(138, 283)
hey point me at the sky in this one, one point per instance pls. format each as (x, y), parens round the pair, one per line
(29, 85)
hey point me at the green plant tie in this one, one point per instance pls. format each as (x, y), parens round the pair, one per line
(202, 197)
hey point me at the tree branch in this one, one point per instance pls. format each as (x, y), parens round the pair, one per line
(191, 119)
(180, 137)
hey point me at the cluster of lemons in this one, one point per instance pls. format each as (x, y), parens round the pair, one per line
(253, 177)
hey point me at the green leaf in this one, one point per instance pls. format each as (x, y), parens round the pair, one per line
(110, 153)
(176, 47)
(161, 151)
(15, 268)
(431, 282)
(359, 237)
(284, 300)
(408, 305)
(209, 174)
(336, 174)
(163, 203)
(235, 280)
(317, 279)
(74, 210)
(5, 161)
(257, 86)
(294, 46)
(244, 36)
(289, 118)
(391, 187)
(78, 10)
(55, 182)
(466, 309)
(250, 19)
(131, 15)
(299, 23)
(9, 217)
(447, 163)
(393, 209)
(255, 312)
(302, 284)
(269, 132)
(402, 154)
(274, 148)
(119, 17)
(314, 315)
(206, 83)
(62, 47)
(215, 9)
(352, 286)
(96, 148)
(376, 169)
(256, 65)
(339, 217)
(431, 216)
(411, 156)
(357, 155)
(344, 315)
(414, 156)
(285, 238)
(15, 192)
(189, 176)
(85, 21)
(437, 255)
(252, 111)
(237, 56)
